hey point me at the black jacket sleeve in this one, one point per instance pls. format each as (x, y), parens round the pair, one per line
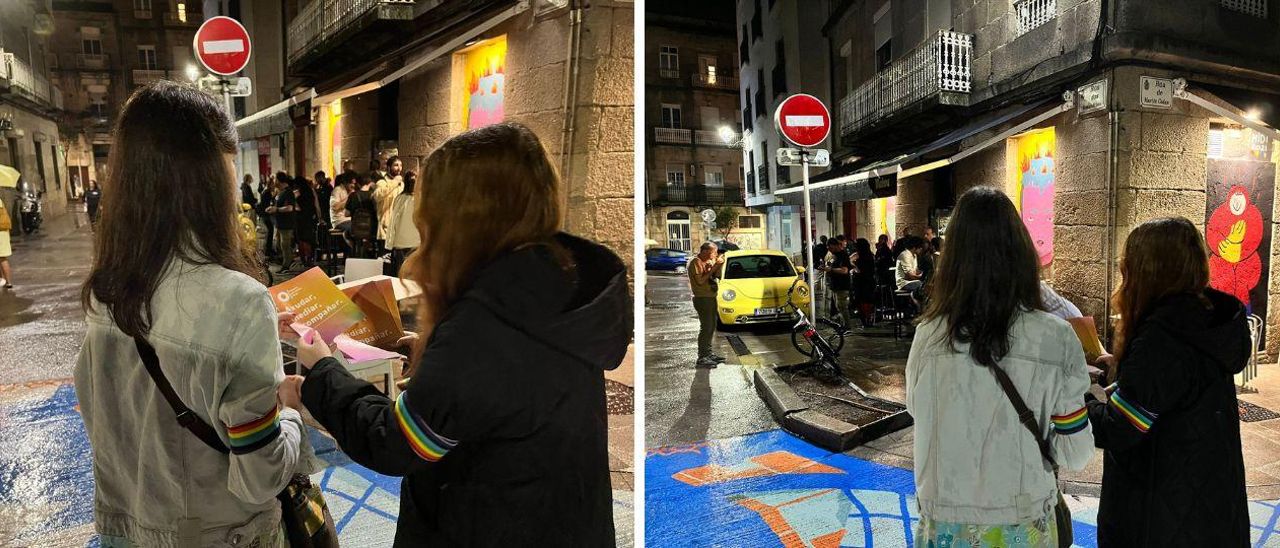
(1152, 379)
(463, 390)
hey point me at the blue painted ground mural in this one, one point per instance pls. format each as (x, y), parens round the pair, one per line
(46, 477)
(773, 489)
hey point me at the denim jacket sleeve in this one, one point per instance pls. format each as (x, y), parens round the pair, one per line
(267, 441)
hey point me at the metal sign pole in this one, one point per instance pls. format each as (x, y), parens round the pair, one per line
(807, 240)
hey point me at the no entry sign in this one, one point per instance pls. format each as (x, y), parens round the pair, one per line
(803, 120)
(222, 46)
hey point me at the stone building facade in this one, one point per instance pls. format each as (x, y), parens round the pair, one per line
(566, 71)
(693, 143)
(1122, 147)
(30, 106)
(99, 52)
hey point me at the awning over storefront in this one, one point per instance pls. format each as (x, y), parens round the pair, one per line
(273, 119)
(363, 84)
(878, 179)
(1210, 100)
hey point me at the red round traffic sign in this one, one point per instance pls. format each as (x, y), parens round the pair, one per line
(222, 45)
(803, 120)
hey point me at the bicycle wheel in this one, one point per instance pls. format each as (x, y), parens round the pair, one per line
(828, 331)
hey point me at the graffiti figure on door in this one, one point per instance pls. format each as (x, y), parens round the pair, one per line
(1234, 233)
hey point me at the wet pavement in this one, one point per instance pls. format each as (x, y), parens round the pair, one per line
(715, 456)
(46, 480)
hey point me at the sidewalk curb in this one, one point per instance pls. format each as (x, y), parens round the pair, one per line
(794, 415)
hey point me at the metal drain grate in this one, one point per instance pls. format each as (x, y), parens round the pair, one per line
(739, 347)
(1254, 413)
(663, 306)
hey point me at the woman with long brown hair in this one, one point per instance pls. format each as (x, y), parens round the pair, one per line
(501, 431)
(172, 278)
(982, 478)
(1174, 470)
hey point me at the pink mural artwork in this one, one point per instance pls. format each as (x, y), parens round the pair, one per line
(1037, 205)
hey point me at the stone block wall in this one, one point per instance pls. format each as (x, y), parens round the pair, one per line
(597, 167)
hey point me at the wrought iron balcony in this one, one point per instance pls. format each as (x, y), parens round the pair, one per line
(669, 194)
(92, 61)
(672, 136)
(323, 24)
(669, 73)
(715, 81)
(712, 138)
(17, 76)
(142, 77)
(1033, 13)
(938, 70)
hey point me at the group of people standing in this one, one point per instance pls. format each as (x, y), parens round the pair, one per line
(853, 271)
(372, 210)
(516, 430)
(1002, 397)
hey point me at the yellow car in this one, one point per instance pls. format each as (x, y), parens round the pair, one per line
(753, 287)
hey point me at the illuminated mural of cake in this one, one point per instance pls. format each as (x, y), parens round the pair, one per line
(486, 81)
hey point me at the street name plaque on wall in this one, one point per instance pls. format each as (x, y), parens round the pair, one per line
(1156, 92)
(1093, 96)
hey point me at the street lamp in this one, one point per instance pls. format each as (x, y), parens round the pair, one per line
(192, 72)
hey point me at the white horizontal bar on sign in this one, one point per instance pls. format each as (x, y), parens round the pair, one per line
(804, 121)
(224, 46)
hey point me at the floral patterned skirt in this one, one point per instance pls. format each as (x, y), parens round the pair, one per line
(1040, 533)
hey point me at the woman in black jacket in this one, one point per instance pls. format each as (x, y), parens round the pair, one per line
(864, 280)
(1173, 473)
(501, 433)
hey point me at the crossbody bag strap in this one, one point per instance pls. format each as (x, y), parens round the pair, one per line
(1025, 416)
(186, 417)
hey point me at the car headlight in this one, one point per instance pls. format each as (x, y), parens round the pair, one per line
(803, 290)
(728, 295)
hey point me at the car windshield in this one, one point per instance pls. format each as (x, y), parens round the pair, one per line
(757, 266)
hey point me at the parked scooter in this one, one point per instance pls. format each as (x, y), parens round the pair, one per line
(30, 210)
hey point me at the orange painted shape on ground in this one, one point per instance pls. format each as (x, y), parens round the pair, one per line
(830, 540)
(778, 524)
(785, 462)
(768, 464)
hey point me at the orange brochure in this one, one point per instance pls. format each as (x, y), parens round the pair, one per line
(316, 302)
(381, 326)
(1087, 332)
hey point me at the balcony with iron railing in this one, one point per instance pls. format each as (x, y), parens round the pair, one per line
(142, 77)
(715, 81)
(714, 138)
(324, 25)
(936, 72)
(685, 194)
(19, 79)
(672, 136)
(93, 61)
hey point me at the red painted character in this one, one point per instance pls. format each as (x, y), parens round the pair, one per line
(1234, 233)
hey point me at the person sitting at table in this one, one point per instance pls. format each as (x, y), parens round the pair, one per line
(501, 432)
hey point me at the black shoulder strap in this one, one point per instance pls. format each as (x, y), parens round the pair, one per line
(186, 417)
(1025, 416)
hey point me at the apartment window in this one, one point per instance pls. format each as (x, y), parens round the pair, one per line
(182, 12)
(91, 46)
(757, 25)
(147, 58)
(744, 48)
(669, 61)
(675, 175)
(747, 119)
(714, 175)
(749, 221)
(763, 171)
(751, 176)
(707, 69)
(671, 116)
(760, 104)
(884, 55)
(780, 70)
(710, 118)
(783, 176)
(882, 23)
(142, 9)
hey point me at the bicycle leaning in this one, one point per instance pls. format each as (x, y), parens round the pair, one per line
(822, 343)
